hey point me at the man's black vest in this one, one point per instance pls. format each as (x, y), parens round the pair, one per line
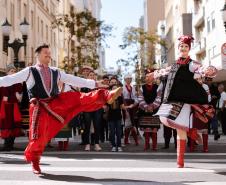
(38, 90)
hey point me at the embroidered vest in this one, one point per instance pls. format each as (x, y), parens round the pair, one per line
(38, 90)
(149, 97)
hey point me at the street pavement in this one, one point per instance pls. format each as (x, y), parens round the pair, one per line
(132, 166)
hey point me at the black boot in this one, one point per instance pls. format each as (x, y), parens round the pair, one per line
(167, 142)
(6, 145)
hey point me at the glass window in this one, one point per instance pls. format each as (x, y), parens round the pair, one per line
(213, 20)
(208, 24)
(214, 51)
(209, 54)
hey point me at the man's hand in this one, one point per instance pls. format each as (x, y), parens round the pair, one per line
(99, 84)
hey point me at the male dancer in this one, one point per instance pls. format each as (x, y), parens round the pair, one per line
(49, 110)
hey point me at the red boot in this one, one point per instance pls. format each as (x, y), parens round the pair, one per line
(60, 145)
(154, 140)
(205, 142)
(180, 152)
(134, 134)
(35, 167)
(126, 139)
(66, 145)
(147, 140)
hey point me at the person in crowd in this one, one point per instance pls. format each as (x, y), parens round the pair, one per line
(85, 70)
(65, 134)
(49, 110)
(148, 106)
(222, 107)
(104, 122)
(92, 120)
(215, 96)
(10, 115)
(115, 122)
(130, 103)
(183, 93)
(201, 126)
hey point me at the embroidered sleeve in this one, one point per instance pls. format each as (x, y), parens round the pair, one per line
(76, 81)
(19, 77)
(161, 72)
(142, 104)
(158, 98)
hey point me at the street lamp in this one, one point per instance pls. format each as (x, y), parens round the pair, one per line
(17, 43)
(224, 15)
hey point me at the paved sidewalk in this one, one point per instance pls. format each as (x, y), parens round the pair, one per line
(214, 146)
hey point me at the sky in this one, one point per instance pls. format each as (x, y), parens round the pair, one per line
(120, 14)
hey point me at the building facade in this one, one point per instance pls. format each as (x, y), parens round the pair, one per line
(153, 13)
(39, 14)
(208, 31)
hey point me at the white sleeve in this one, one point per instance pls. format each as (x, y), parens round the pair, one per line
(206, 87)
(76, 81)
(195, 67)
(224, 96)
(18, 77)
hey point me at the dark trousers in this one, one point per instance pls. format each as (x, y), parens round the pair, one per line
(168, 133)
(214, 124)
(104, 130)
(94, 117)
(223, 120)
(115, 130)
(8, 143)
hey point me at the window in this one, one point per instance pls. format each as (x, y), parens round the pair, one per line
(42, 31)
(208, 24)
(32, 54)
(213, 20)
(214, 51)
(47, 32)
(12, 11)
(38, 23)
(54, 39)
(32, 18)
(209, 54)
(19, 9)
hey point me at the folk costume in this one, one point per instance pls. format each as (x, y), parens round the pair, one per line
(182, 96)
(49, 110)
(63, 136)
(149, 100)
(10, 116)
(129, 98)
(201, 125)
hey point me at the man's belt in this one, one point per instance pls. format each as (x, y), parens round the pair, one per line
(34, 121)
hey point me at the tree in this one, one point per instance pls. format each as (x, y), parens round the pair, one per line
(135, 42)
(85, 34)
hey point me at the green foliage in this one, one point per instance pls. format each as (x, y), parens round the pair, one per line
(135, 44)
(89, 34)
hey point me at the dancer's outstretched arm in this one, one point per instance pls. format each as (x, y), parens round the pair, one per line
(79, 82)
(18, 77)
